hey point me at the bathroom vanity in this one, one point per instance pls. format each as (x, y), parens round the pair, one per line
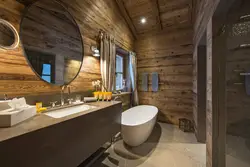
(44, 141)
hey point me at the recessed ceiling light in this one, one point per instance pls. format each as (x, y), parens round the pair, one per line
(143, 20)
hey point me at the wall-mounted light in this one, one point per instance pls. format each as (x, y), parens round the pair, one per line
(95, 51)
(143, 20)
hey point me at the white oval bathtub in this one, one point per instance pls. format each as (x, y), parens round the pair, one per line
(138, 123)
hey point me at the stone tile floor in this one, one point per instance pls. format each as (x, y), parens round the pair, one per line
(238, 152)
(166, 147)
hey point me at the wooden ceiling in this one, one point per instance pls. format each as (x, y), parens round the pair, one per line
(160, 14)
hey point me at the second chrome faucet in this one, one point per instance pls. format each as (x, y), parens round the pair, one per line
(62, 94)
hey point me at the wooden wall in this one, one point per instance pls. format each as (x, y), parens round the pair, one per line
(17, 78)
(170, 54)
(202, 12)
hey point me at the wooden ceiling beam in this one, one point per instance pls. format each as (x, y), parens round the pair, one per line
(156, 10)
(126, 16)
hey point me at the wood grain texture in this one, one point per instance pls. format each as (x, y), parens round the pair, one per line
(169, 54)
(17, 78)
(203, 11)
(160, 14)
(156, 10)
(216, 97)
(125, 14)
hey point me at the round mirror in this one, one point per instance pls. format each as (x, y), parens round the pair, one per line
(52, 42)
(9, 38)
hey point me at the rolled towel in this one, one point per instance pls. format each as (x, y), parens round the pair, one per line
(89, 99)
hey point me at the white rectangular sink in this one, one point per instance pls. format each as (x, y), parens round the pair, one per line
(60, 113)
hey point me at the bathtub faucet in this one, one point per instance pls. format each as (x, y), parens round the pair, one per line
(118, 97)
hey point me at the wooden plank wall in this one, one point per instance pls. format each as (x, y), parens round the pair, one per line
(216, 96)
(170, 54)
(202, 12)
(17, 78)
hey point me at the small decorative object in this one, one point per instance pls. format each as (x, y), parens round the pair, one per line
(123, 83)
(105, 96)
(96, 95)
(96, 52)
(109, 96)
(38, 106)
(100, 96)
(185, 125)
(97, 85)
(78, 98)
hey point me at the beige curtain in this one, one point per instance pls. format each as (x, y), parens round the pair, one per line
(133, 76)
(108, 53)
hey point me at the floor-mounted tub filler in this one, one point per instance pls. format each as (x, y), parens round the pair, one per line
(138, 123)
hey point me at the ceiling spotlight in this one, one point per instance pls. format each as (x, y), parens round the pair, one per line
(143, 20)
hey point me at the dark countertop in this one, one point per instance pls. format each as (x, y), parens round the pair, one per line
(42, 121)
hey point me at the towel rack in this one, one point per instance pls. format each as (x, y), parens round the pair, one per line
(238, 83)
(241, 46)
(238, 70)
(244, 17)
(244, 74)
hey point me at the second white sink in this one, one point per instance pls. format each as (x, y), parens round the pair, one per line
(60, 113)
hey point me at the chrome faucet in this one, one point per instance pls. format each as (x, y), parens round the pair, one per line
(62, 92)
(5, 97)
(118, 97)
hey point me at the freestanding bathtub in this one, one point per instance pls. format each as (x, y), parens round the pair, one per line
(138, 123)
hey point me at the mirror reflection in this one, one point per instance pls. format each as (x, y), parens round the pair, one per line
(52, 42)
(7, 35)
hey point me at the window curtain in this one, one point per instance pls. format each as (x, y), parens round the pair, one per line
(133, 76)
(108, 53)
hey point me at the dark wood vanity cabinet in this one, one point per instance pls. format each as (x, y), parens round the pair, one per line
(66, 144)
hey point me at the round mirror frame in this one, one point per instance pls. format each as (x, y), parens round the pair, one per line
(27, 60)
(13, 29)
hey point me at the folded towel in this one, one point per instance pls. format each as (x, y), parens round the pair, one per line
(145, 81)
(18, 103)
(89, 99)
(155, 81)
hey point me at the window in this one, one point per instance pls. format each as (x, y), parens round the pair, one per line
(46, 72)
(119, 72)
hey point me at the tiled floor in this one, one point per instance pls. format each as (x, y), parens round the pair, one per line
(238, 151)
(166, 147)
